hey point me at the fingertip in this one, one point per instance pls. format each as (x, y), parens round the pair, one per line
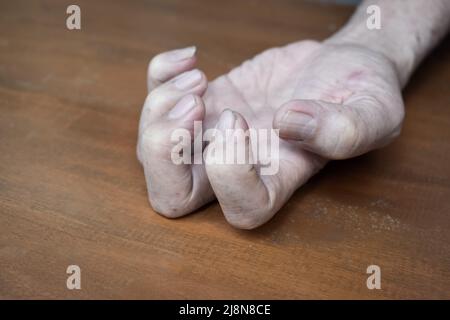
(169, 64)
(180, 55)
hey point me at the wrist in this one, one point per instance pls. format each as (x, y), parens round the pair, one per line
(408, 31)
(402, 57)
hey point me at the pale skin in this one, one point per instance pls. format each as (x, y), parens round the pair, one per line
(330, 100)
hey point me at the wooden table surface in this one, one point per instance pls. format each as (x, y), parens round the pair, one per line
(73, 193)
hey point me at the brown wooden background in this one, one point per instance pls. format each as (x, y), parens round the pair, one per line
(72, 191)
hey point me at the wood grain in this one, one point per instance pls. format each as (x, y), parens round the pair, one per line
(72, 191)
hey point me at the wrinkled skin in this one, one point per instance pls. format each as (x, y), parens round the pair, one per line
(351, 94)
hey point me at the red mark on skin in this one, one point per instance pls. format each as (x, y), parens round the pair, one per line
(356, 75)
(337, 96)
(341, 93)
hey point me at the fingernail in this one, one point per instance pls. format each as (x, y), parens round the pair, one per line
(188, 79)
(181, 54)
(182, 107)
(226, 120)
(297, 125)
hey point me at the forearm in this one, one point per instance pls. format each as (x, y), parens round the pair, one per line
(409, 30)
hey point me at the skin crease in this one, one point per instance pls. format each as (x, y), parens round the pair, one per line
(350, 94)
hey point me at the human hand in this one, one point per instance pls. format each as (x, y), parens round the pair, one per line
(329, 101)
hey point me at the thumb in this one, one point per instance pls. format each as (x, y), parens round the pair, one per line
(338, 131)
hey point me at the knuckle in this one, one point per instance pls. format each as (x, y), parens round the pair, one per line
(156, 98)
(148, 137)
(154, 142)
(157, 102)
